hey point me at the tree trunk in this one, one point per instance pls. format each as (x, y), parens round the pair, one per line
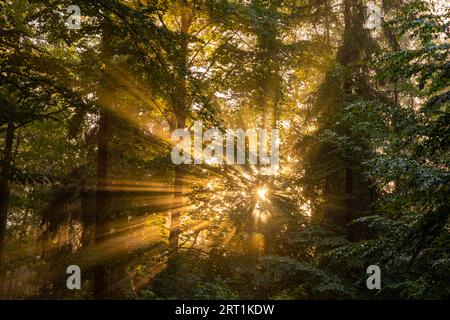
(177, 204)
(101, 278)
(349, 54)
(179, 104)
(101, 200)
(5, 183)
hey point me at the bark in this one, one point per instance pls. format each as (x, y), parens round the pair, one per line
(178, 121)
(101, 277)
(87, 207)
(179, 104)
(177, 204)
(101, 200)
(5, 183)
(348, 55)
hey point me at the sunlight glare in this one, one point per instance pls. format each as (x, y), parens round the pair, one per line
(262, 193)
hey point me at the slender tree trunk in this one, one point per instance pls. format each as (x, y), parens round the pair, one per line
(86, 207)
(175, 215)
(5, 183)
(180, 105)
(100, 272)
(348, 56)
(101, 278)
(177, 204)
(269, 101)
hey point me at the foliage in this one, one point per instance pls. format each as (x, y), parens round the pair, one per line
(86, 175)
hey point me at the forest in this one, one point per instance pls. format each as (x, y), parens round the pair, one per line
(92, 92)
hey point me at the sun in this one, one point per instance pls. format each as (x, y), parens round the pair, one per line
(262, 192)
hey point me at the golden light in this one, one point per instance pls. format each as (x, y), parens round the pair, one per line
(262, 192)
